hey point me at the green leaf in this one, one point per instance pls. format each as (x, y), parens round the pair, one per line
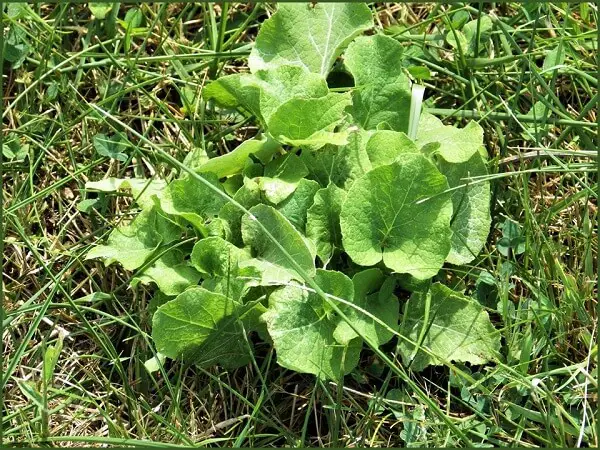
(142, 190)
(295, 207)
(229, 287)
(100, 10)
(467, 38)
(85, 206)
(459, 19)
(132, 244)
(155, 363)
(455, 145)
(52, 91)
(32, 393)
(171, 273)
(340, 165)
(233, 184)
(420, 72)
(459, 330)
(16, 46)
(248, 196)
(471, 204)
(385, 147)
(411, 284)
(309, 35)
(539, 128)
(13, 150)
(382, 90)
(192, 200)
(216, 257)
(233, 91)
(373, 293)
(231, 271)
(512, 239)
(310, 121)
(112, 146)
(284, 233)
(218, 227)
(281, 177)
(234, 162)
(457, 39)
(201, 327)
(323, 221)
(133, 18)
(399, 214)
(555, 57)
(282, 83)
(235, 286)
(352, 160)
(263, 92)
(18, 10)
(253, 170)
(321, 163)
(485, 25)
(302, 328)
(261, 272)
(51, 356)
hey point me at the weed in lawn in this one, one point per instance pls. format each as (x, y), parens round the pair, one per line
(523, 72)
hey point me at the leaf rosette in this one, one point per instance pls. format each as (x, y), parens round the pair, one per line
(309, 234)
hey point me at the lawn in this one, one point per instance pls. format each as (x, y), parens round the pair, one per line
(249, 225)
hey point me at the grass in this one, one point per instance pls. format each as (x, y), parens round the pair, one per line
(87, 77)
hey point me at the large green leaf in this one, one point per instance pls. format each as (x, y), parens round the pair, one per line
(131, 245)
(373, 294)
(263, 92)
(203, 328)
(215, 257)
(323, 221)
(283, 83)
(340, 165)
(309, 35)
(296, 206)
(238, 284)
(233, 91)
(171, 273)
(261, 272)
(455, 145)
(364, 151)
(234, 162)
(310, 122)
(321, 163)
(385, 147)
(248, 196)
(471, 217)
(281, 177)
(284, 233)
(230, 270)
(352, 160)
(192, 200)
(381, 93)
(302, 325)
(458, 329)
(399, 213)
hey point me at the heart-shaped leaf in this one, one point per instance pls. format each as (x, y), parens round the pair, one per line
(458, 329)
(308, 35)
(399, 213)
(302, 328)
